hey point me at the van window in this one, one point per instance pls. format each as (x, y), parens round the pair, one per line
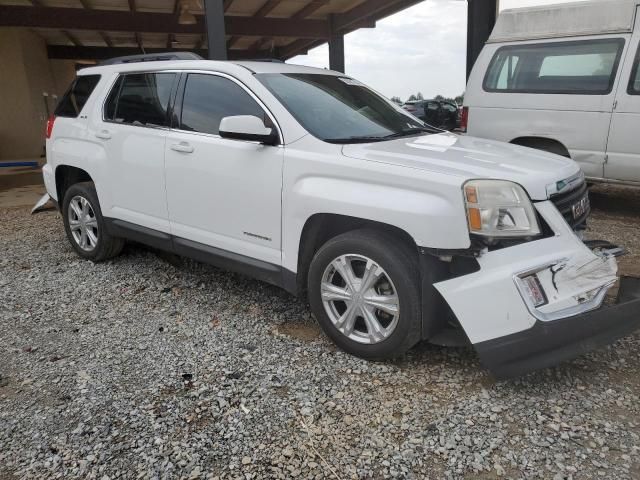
(74, 100)
(634, 83)
(210, 98)
(577, 67)
(140, 99)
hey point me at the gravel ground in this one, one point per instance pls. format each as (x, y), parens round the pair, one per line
(141, 368)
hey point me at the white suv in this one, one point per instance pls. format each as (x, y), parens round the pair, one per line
(307, 179)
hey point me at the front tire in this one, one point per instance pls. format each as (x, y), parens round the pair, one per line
(85, 226)
(364, 292)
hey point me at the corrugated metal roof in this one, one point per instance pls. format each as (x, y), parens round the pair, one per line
(565, 20)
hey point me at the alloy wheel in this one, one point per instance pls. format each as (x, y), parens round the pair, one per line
(360, 299)
(83, 223)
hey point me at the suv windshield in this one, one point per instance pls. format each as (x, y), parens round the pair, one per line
(340, 109)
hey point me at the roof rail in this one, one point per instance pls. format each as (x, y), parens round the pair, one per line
(152, 57)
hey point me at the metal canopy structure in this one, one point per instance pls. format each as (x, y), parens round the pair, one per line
(216, 29)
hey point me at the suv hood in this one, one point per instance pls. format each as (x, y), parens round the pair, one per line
(470, 157)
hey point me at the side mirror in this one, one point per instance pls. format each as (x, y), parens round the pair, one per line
(249, 128)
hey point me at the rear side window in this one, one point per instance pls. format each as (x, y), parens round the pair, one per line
(634, 83)
(140, 99)
(578, 67)
(74, 100)
(210, 98)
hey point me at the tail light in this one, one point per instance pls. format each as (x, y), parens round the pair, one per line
(464, 119)
(50, 122)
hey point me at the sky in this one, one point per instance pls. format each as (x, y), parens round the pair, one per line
(421, 49)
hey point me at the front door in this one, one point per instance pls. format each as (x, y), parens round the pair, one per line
(222, 193)
(623, 148)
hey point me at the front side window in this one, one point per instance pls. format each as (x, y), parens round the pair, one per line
(140, 99)
(634, 83)
(339, 109)
(74, 100)
(210, 98)
(576, 67)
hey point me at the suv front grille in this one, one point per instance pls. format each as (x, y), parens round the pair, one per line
(566, 201)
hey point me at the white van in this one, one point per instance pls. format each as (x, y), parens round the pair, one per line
(565, 79)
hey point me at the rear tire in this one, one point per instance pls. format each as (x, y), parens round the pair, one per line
(85, 226)
(376, 313)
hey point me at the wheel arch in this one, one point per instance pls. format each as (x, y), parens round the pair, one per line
(67, 175)
(550, 145)
(321, 227)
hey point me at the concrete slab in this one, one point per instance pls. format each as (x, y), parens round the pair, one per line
(23, 196)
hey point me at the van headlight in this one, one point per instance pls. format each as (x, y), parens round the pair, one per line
(498, 208)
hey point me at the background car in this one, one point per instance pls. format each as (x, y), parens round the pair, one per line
(439, 113)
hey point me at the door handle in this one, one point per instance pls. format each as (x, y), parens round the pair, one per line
(182, 147)
(103, 134)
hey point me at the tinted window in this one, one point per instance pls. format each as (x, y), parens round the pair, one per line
(74, 100)
(634, 84)
(579, 67)
(143, 99)
(339, 109)
(210, 98)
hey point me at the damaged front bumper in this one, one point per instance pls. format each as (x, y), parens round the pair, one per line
(536, 304)
(549, 343)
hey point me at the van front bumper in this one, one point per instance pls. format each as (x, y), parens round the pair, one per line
(515, 331)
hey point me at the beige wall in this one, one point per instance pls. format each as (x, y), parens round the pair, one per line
(25, 75)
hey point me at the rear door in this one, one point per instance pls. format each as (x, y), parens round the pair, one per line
(623, 149)
(132, 133)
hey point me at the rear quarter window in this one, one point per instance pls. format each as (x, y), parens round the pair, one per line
(570, 67)
(76, 97)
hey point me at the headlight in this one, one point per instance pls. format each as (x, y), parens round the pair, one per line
(497, 208)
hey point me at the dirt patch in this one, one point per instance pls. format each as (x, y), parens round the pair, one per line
(306, 332)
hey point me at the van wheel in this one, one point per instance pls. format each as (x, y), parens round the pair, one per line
(85, 226)
(364, 292)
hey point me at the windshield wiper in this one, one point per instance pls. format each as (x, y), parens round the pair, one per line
(412, 131)
(356, 139)
(366, 139)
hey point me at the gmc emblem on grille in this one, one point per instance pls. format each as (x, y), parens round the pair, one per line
(580, 208)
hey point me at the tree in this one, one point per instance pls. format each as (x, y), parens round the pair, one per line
(412, 98)
(419, 96)
(439, 98)
(396, 100)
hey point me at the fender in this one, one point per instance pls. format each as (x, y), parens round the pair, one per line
(426, 205)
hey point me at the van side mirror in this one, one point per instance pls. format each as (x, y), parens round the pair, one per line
(249, 128)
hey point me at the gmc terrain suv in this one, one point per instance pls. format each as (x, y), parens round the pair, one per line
(307, 179)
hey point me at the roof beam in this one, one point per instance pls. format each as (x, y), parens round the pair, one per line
(103, 53)
(364, 15)
(119, 21)
(298, 47)
(314, 5)
(132, 5)
(85, 4)
(72, 38)
(106, 39)
(267, 7)
(232, 41)
(227, 4)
